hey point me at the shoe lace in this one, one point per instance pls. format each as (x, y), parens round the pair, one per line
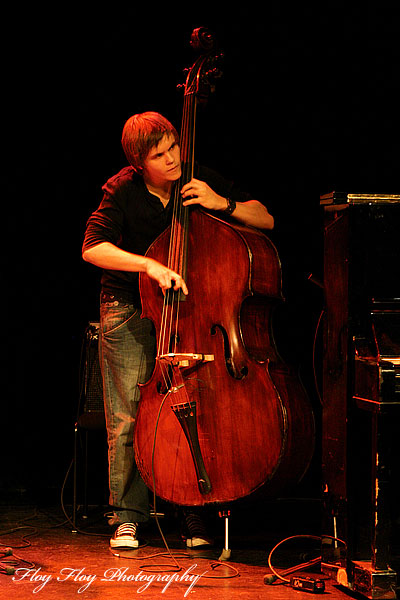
(127, 529)
(195, 526)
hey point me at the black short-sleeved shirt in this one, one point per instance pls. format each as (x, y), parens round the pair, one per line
(131, 218)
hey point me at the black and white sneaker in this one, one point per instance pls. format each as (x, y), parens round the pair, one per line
(125, 536)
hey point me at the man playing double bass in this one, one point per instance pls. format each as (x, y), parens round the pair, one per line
(134, 210)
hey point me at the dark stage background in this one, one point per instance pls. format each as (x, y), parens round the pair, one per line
(308, 103)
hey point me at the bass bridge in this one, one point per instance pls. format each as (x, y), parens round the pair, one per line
(184, 359)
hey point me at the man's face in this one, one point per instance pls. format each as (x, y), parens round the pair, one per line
(163, 162)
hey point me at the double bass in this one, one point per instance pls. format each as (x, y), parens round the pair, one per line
(222, 415)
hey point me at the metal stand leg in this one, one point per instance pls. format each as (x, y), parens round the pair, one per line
(226, 553)
(74, 505)
(85, 480)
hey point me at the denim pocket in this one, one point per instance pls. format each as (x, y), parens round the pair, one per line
(114, 315)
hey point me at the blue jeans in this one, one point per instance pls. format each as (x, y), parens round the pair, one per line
(126, 352)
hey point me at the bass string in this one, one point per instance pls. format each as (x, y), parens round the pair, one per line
(178, 241)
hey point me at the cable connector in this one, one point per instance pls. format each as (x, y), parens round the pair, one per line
(6, 569)
(308, 584)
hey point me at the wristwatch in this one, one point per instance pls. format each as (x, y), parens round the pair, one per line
(231, 206)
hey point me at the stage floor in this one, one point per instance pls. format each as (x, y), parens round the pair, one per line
(51, 560)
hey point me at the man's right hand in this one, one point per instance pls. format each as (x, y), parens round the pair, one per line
(165, 277)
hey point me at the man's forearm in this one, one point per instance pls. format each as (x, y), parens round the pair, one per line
(108, 256)
(253, 213)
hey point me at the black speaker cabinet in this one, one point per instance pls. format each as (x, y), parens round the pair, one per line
(361, 391)
(90, 459)
(92, 412)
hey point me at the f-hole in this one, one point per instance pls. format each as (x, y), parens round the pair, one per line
(230, 365)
